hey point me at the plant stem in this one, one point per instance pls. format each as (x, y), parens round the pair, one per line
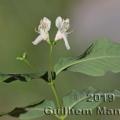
(51, 82)
(52, 85)
(50, 63)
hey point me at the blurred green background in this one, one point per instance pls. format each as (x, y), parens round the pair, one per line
(18, 19)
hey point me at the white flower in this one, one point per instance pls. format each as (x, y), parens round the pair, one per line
(63, 26)
(43, 30)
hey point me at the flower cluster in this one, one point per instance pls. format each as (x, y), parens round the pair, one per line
(62, 25)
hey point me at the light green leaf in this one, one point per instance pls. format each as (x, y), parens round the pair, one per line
(37, 111)
(78, 99)
(101, 57)
(63, 64)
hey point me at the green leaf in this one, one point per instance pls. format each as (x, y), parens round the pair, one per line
(78, 99)
(81, 99)
(24, 77)
(63, 64)
(37, 111)
(102, 56)
(31, 111)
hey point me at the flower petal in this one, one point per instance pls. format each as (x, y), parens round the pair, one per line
(37, 40)
(66, 25)
(58, 36)
(47, 22)
(45, 25)
(59, 22)
(66, 42)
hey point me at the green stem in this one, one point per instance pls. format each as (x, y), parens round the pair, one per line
(53, 88)
(50, 63)
(52, 84)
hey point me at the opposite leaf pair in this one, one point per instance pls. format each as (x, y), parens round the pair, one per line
(63, 26)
